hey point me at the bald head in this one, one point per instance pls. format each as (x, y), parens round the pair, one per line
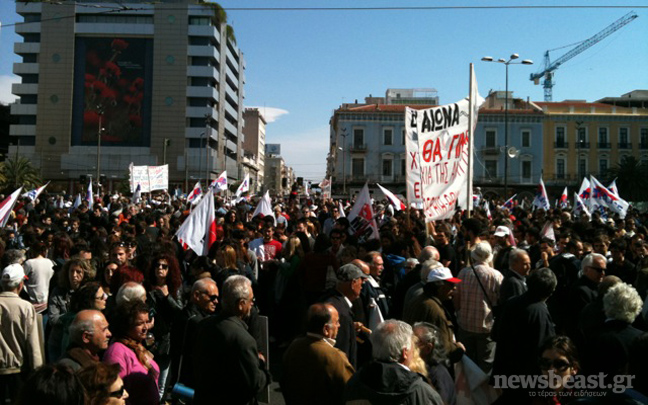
(322, 319)
(362, 265)
(89, 330)
(429, 252)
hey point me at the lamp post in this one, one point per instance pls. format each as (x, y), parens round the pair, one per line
(100, 111)
(580, 141)
(506, 139)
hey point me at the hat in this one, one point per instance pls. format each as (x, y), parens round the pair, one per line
(502, 231)
(482, 253)
(442, 274)
(349, 272)
(13, 273)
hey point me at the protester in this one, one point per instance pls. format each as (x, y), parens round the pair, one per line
(52, 384)
(89, 337)
(103, 384)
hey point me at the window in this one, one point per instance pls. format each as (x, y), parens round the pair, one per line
(603, 167)
(582, 167)
(582, 137)
(491, 136)
(644, 137)
(491, 168)
(357, 167)
(560, 137)
(623, 137)
(560, 168)
(404, 166)
(526, 138)
(526, 170)
(404, 137)
(358, 137)
(387, 167)
(603, 138)
(388, 134)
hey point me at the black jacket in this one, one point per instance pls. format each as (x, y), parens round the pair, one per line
(227, 368)
(346, 337)
(389, 383)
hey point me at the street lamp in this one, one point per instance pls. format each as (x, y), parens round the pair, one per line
(100, 111)
(507, 63)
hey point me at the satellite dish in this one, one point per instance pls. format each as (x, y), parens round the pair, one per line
(512, 152)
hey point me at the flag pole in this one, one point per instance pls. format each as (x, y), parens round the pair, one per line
(470, 141)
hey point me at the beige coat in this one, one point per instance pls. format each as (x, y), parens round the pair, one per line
(20, 348)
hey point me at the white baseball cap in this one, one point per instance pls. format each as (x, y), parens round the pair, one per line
(14, 273)
(442, 274)
(502, 231)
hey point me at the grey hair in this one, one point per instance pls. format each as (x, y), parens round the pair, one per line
(622, 302)
(235, 288)
(12, 256)
(202, 284)
(589, 260)
(9, 285)
(130, 291)
(79, 327)
(431, 334)
(427, 253)
(389, 339)
(427, 267)
(515, 254)
(412, 260)
(482, 253)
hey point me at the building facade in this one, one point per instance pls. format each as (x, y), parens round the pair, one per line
(582, 138)
(525, 143)
(254, 146)
(155, 83)
(279, 178)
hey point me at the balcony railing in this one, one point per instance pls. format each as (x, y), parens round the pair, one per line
(582, 145)
(604, 145)
(561, 144)
(490, 150)
(625, 145)
(358, 147)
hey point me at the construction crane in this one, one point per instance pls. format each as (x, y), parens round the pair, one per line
(549, 67)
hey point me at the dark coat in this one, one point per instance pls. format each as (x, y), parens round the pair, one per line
(346, 338)
(183, 333)
(227, 368)
(513, 285)
(380, 383)
(612, 347)
(520, 330)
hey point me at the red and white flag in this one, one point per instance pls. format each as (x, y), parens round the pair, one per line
(613, 188)
(361, 217)
(264, 207)
(195, 194)
(564, 199)
(220, 183)
(341, 209)
(541, 200)
(245, 186)
(579, 207)
(198, 232)
(398, 204)
(7, 205)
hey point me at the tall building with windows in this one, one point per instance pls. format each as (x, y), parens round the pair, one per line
(254, 146)
(155, 83)
(582, 138)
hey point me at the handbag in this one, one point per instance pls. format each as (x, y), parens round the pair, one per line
(180, 392)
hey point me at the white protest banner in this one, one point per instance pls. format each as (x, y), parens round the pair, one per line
(443, 142)
(150, 178)
(413, 168)
(361, 217)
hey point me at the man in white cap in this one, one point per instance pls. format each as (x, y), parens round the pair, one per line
(18, 334)
(502, 238)
(428, 307)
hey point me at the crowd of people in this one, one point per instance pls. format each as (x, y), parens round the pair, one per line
(102, 305)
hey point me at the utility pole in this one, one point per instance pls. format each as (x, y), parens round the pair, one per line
(207, 136)
(167, 142)
(100, 112)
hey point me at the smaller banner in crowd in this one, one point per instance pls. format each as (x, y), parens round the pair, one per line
(398, 204)
(89, 196)
(7, 205)
(198, 231)
(361, 217)
(33, 194)
(602, 197)
(195, 194)
(541, 200)
(220, 183)
(579, 207)
(150, 178)
(510, 202)
(564, 200)
(244, 186)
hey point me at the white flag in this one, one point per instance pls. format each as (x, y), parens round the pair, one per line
(220, 183)
(198, 231)
(7, 205)
(361, 217)
(33, 194)
(398, 204)
(89, 197)
(264, 207)
(487, 209)
(341, 209)
(245, 186)
(137, 195)
(613, 188)
(548, 231)
(603, 197)
(541, 200)
(584, 192)
(564, 199)
(195, 194)
(580, 207)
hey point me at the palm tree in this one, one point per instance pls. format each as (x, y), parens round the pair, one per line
(18, 172)
(632, 179)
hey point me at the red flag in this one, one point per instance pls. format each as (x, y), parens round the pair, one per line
(198, 232)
